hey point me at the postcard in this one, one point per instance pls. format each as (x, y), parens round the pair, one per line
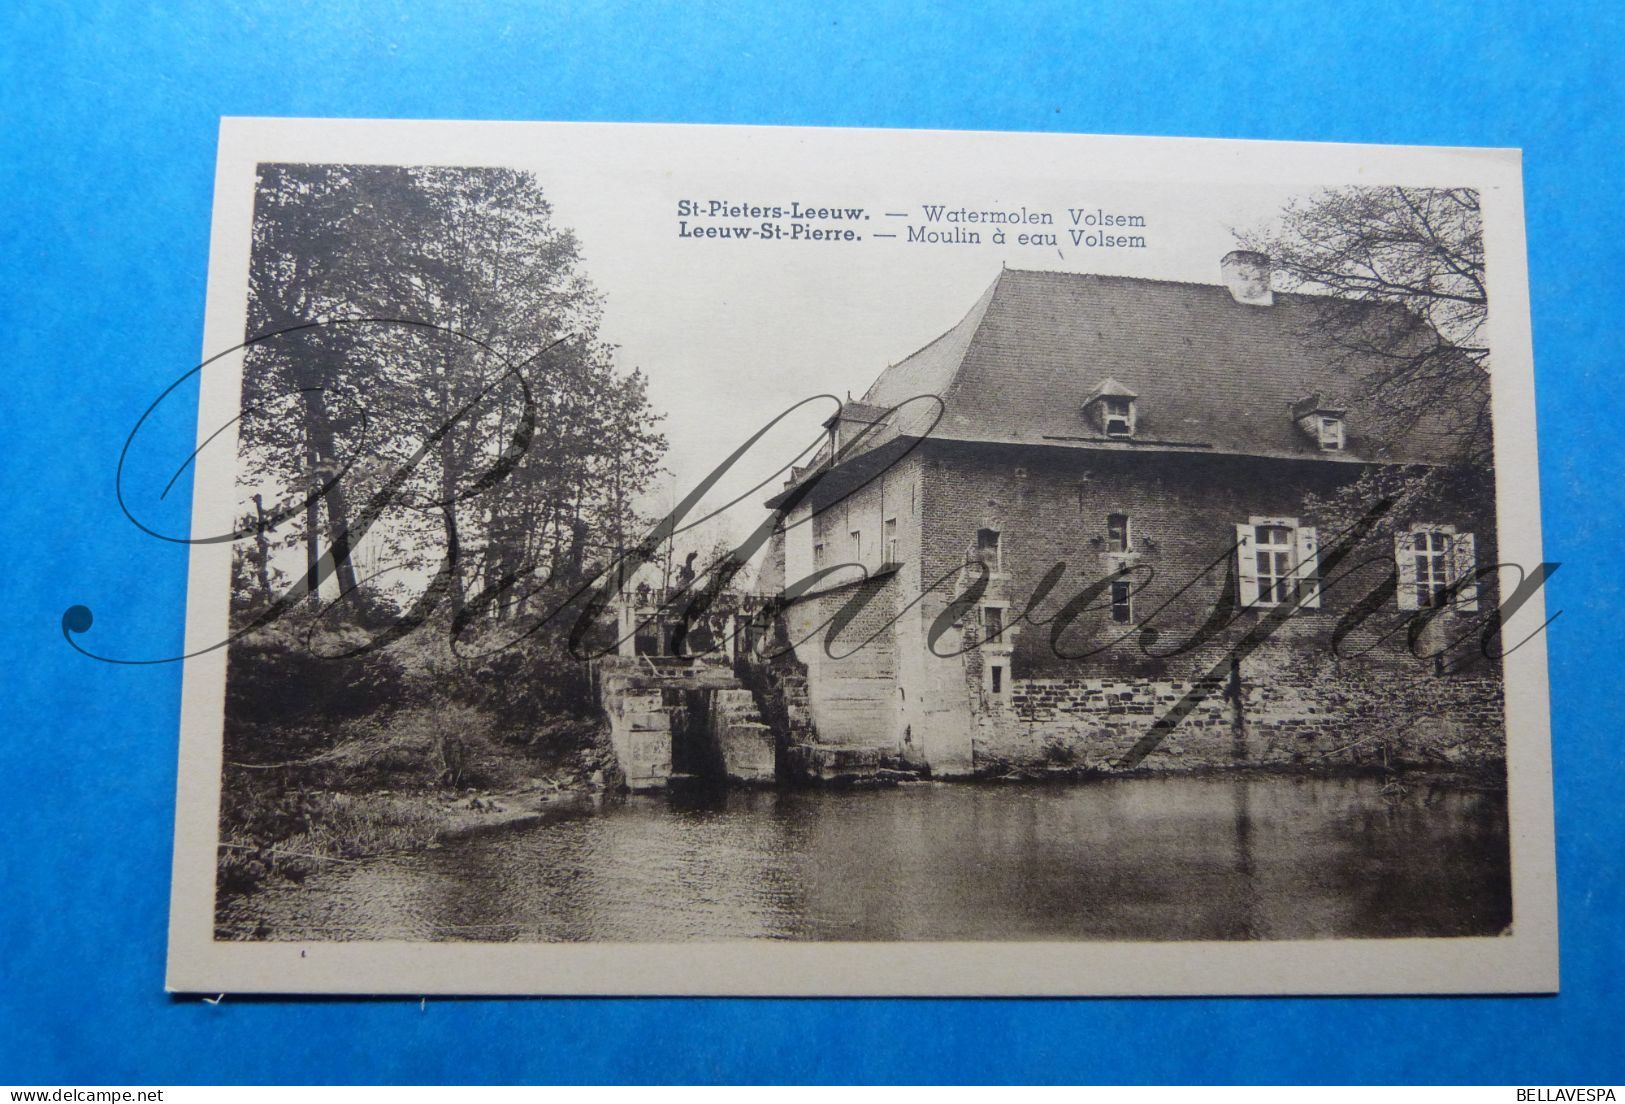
(673, 559)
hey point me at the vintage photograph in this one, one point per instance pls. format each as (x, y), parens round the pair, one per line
(648, 563)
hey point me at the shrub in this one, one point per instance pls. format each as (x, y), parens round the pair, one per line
(277, 680)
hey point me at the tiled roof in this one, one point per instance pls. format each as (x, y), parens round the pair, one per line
(1209, 373)
(1109, 387)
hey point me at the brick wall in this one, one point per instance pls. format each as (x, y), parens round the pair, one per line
(1083, 696)
(1089, 723)
(1050, 507)
(1081, 688)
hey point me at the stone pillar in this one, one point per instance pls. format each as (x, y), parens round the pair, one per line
(639, 728)
(747, 745)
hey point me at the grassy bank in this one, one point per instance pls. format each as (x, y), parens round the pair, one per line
(333, 761)
(387, 789)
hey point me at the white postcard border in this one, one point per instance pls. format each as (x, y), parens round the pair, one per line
(1524, 961)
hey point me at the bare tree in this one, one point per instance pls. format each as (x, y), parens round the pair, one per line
(1419, 253)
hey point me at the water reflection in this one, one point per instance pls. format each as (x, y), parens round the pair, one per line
(1139, 858)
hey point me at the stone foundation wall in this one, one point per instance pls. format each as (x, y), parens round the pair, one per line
(639, 730)
(1089, 723)
(683, 720)
(744, 743)
(851, 680)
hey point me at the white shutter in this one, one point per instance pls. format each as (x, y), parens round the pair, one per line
(1465, 567)
(1246, 567)
(1307, 569)
(1405, 561)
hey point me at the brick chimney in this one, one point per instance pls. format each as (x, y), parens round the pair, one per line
(1247, 275)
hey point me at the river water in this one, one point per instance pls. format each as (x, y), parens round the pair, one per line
(1227, 857)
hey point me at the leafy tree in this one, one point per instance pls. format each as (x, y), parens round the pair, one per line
(489, 305)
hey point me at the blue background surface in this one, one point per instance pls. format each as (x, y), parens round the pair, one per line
(106, 167)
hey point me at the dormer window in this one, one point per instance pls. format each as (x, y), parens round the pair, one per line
(1331, 433)
(1118, 415)
(1321, 420)
(1112, 407)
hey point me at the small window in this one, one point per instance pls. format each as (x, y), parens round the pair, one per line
(1273, 549)
(1331, 433)
(1122, 601)
(1117, 534)
(993, 622)
(1117, 416)
(857, 545)
(987, 548)
(997, 674)
(891, 541)
(818, 555)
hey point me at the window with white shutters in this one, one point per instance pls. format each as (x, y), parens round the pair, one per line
(1277, 563)
(1433, 563)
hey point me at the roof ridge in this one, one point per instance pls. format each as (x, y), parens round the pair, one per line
(1188, 283)
(1109, 276)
